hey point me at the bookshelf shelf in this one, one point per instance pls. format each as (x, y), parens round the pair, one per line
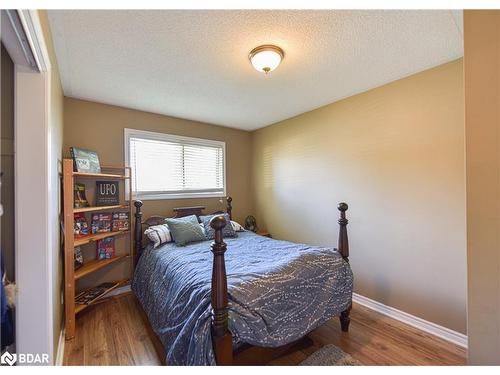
(79, 241)
(81, 307)
(72, 276)
(96, 264)
(101, 208)
(100, 175)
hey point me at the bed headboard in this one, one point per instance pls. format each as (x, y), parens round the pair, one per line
(157, 220)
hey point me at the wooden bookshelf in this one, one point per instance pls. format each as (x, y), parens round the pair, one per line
(72, 276)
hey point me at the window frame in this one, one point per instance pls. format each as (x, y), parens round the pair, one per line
(131, 133)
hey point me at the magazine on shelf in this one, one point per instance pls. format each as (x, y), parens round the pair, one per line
(106, 248)
(85, 161)
(107, 193)
(78, 257)
(120, 221)
(80, 198)
(81, 227)
(101, 222)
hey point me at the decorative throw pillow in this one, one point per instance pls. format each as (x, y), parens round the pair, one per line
(237, 227)
(203, 229)
(185, 230)
(158, 234)
(228, 230)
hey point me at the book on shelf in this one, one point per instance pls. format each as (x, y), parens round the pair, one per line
(101, 222)
(80, 198)
(120, 221)
(106, 248)
(88, 296)
(107, 193)
(81, 226)
(85, 161)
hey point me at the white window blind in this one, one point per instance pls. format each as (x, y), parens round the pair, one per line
(168, 166)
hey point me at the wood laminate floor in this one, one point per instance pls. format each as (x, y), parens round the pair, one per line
(116, 332)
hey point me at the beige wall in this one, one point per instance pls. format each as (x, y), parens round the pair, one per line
(395, 154)
(55, 138)
(482, 127)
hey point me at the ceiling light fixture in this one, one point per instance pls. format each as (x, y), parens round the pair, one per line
(266, 58)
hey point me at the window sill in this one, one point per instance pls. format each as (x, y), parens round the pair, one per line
(154, 197)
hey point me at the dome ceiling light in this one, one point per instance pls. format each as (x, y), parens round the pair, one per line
(266, 58)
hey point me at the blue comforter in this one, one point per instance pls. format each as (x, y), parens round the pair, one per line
(278, 292)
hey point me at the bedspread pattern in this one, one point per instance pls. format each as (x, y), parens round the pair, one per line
(278, 292)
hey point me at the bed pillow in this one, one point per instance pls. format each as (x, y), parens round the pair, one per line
(237, 227)
(158, 234)
(228, 230)
(185, 230)
(203, 229)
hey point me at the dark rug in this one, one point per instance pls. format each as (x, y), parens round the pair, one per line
(330, 355)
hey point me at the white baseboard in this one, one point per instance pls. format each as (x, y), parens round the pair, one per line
(414, 321)
(60, 348)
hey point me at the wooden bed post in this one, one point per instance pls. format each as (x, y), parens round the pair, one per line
(221, 337)
(138, 229)
(229, 207)
(344, 251)
(343, 241)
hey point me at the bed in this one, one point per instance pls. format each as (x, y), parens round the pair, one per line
(273, 293)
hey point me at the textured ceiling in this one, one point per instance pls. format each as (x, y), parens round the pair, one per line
(194, 64)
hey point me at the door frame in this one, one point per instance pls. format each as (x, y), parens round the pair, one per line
(34, 313)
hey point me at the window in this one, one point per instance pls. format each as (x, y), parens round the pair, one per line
(167, 166)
